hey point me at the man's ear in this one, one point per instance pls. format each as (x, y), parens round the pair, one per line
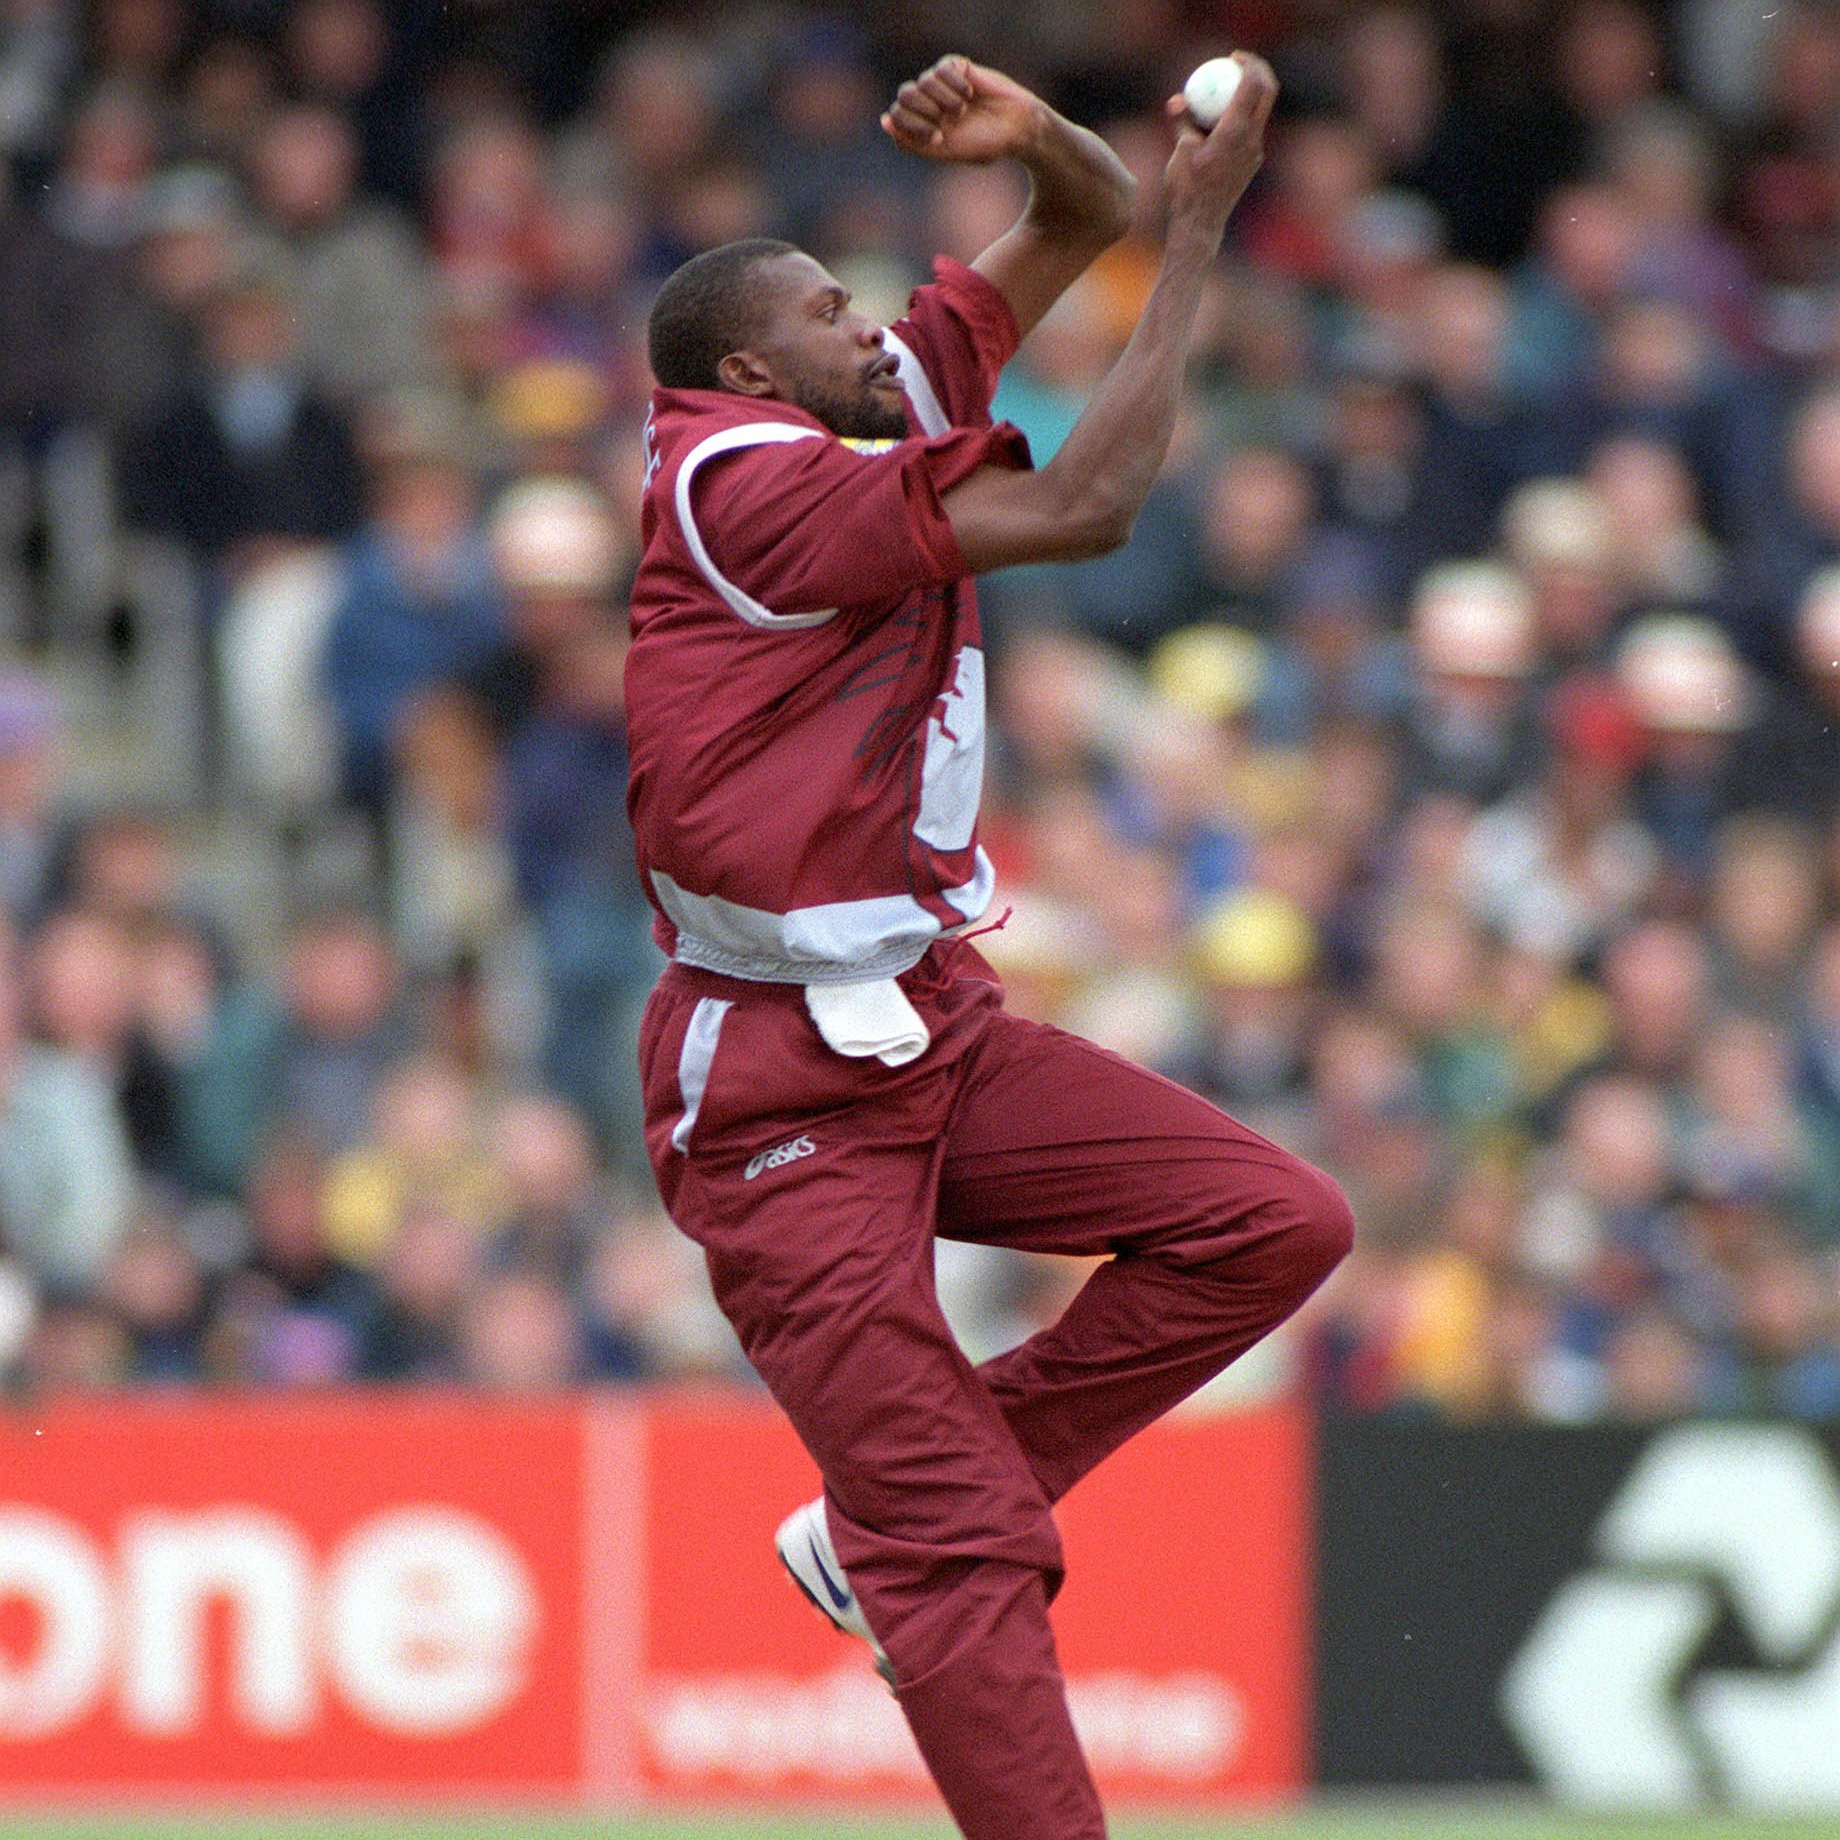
(745, 374)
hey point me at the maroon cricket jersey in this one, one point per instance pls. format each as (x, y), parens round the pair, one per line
(805, 689)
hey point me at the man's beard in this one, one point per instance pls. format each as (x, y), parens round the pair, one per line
(869, 415)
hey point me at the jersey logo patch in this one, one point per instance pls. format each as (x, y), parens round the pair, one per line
(862, 444)
(778, 1157)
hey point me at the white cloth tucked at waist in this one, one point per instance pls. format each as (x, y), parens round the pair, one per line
(870, 1018)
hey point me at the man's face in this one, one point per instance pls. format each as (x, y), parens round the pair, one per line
(815, 353)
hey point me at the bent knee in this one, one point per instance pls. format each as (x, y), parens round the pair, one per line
(1327, 1218)
(1297, 1219)
(1310, 1226)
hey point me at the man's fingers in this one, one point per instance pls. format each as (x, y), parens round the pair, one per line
(955, 72)
(1267, 80)
(940, 94)
(948, 97)
(914, 99)
(1187, 130)
(1252, 101)
(907, 125)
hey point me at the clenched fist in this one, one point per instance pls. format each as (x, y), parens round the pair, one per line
(958, 110)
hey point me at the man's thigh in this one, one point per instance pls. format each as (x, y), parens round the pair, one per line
(1060, 1146)
(820, 1255)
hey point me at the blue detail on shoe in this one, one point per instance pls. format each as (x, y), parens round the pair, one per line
(839, 1595)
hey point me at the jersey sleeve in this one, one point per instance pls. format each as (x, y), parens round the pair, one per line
(961, 329)
(808, 525)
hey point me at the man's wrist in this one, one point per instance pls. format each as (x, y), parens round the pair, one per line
(1076, 182)
(1037, 147)
(1194, 233)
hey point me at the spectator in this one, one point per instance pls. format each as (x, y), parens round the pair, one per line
(1694, 702)
(556, 1209)
(310, 1057)
(1478, 443)
(423, 1279)
(80, 971)
(311, 1313)
(1472, 720)
(488, 207)
(1801, 714)
(518, 1335)
(1783, 550)
(1789, 1338)
(156, 1290)
(1444, 775)
(649, 1312)
(178, 976)
(344, 56)
(1652, 1369)
(1371, 484)
(1664, 555)
(1763, 903)
(555, 701)
(226, 96)
(653, 123)
(1255, 521)
(1558, 536)
(1742, 1133)
(1560, 864)
(1577, 273)
(1256, 954)
(29, 747)
(822, 132)
(423, 1154)
(143, 333)
(66, 1170)
(1334, 661)
(1657, 977)
(419, 610)
(1390, 253)
(249, 455)
(1662, 163)
(1599, 1221)
(359, 285)
(106, 166)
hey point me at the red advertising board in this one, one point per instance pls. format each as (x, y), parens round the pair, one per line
(432, 1598)
(291, 1596)
(1182, 1626)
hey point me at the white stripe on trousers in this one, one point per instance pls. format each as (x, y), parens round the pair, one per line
(693, 1062)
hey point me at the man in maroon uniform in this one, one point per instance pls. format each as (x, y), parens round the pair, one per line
(830, 1077)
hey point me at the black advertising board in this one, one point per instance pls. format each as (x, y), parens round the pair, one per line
(1627, 1618)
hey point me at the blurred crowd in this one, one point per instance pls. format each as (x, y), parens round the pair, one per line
(1446, 778)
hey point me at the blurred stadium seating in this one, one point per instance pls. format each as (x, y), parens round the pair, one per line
(1445, 778)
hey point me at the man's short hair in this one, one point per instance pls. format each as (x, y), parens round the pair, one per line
(706, 310)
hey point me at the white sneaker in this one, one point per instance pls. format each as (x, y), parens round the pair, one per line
(805, 1550)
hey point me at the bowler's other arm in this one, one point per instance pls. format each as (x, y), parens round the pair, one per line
(1086, 499)
(1079, 191)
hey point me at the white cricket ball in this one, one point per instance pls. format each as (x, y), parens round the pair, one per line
(1210, 89)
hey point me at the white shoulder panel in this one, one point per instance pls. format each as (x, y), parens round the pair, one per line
(726, 440)
(918, 385)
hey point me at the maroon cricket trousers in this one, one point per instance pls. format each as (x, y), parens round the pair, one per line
(940, 1477)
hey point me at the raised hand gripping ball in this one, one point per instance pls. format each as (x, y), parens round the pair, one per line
(1208, 91)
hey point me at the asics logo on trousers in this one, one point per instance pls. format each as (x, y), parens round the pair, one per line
(778, 1157)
